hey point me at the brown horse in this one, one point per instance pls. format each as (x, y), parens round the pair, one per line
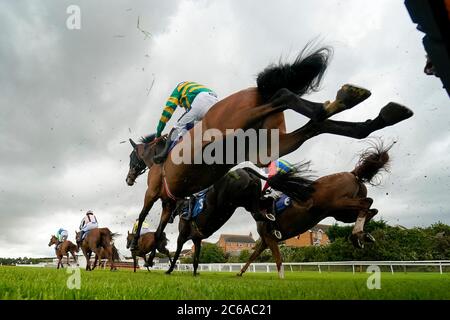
(104, 256)
(146, 244)
(96, 240)
(63, 249)
(278, 88)
(341, 195)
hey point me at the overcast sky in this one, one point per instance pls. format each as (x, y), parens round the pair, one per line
(69, 97)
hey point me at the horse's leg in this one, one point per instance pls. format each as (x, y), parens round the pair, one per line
(167, 253)
(150, 258)
(347, 97)
(87, 255)
(74, 257)
(180, 242)
(68, 262)
(149, 199)
(109, 254)
(97, 255)
(168, 206)
(273, 245)
(389, 115)
(256, 253)
(198, 248)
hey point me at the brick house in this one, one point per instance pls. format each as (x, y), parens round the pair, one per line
(315, 236)
(235, 243)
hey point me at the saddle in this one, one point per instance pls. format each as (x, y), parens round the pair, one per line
(190, 208)
(273, 204)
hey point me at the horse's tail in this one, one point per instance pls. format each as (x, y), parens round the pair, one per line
(302, 76)
(294, 183)
(371, 161)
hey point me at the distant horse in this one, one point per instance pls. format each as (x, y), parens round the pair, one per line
(146, 244)
(278, 88)
(104, 255)
(63, 249)
(342, 196)
(96, 240)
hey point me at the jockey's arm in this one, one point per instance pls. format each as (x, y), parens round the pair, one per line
(171, 104)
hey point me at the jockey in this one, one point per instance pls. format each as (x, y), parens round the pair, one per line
(196, 99)
(144, 229)
(278, 166)
(88, 223)
(62, 235)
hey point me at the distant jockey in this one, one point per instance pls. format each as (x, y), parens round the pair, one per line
(88, 223)
(62, 235)
(145, 227)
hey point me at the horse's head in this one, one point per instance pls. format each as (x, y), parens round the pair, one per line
(142, 155)
(130, 237)
(53, 240)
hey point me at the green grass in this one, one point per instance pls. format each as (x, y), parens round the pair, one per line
(41, 283)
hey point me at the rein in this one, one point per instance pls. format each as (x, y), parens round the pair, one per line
(166, 186)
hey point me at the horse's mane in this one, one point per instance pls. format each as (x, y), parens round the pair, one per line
(149, 138)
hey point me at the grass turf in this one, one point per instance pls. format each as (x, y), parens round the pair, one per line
(42, 283)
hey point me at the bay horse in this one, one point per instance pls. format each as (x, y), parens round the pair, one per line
(279, 88)
(96, 240)
(342, 196)
(63, 249)
(147, 243)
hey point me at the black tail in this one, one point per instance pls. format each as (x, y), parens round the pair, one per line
(371, 161)
(294, 184)
(302, 76)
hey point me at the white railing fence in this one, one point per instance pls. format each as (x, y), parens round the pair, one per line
(440, 266)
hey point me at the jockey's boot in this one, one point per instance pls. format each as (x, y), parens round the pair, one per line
(160, 157)
(81, 235)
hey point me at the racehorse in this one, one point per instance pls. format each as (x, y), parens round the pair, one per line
(63, 249)
(342, 196)
(104, 255)
(339, 195)
(96, 240)
(238, 188)
(147, 243)
(278, 88)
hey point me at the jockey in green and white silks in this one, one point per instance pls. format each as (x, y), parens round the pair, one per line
(62, 235)
(89, 222)
(196, 99)
(144, 229)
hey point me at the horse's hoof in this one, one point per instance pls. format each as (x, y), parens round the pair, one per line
(369, 238)
(393, 113)
(356, 240)
(351, 95)
(239, 274)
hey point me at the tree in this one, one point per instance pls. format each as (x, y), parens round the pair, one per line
(211, 253)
